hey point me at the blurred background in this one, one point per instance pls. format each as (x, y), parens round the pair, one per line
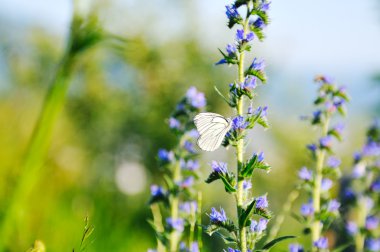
(103, 153)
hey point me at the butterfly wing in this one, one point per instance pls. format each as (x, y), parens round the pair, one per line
(212, 128)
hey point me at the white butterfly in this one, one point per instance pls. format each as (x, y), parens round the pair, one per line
(211, 128)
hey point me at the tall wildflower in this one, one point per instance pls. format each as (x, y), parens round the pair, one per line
(361, 191)
(180, 167)
(252, 212)
(321, 209)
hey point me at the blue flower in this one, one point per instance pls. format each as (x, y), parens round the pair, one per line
(250, 110)
(322, 243)
(188, 207)
(194, 247)
(217, 217)
(264, 6)
(187, 182)
(317, 115)
(220, 62)
(312, 147)
(372, 222)
(371, 149)
(239, 123)
(165, 156)
(261, 202)
(294, 247)
(326, 184)
(219, 167)
(339, 128)
(258, 65)
(241, 38)
(233, 250)
(259, 23)
(333, 162)
(190, 165)
(352, 228)
(375, 187)
(157, 191)
(193, 133)
(307, 209)
(232, 12)
(373, 244)
(176, 224)
(195, 98)
(189, 146)
(260, 226)
(263, 111)
(247, 185)
(333, 205)
(231, 49)
(326, 141)
(260, 156)
(174, 123)
(359, 170)
(305, 174)
(249, 82)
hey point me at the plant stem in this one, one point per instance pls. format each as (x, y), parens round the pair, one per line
(157, 220)
(321, 154)
(199, 221)
(174, 235)
(37, 148)
(240, 154)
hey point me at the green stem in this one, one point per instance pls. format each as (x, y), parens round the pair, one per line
(199, 221)
(321, 154)
(240, 154)
(157, 220)
(174, 235)
(37, 149)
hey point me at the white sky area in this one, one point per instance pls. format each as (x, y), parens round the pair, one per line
(338, 37)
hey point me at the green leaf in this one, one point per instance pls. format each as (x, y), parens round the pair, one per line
(342, 247)
(277, 240)
(246, 214)
(223, 97)
(227, 185)
(227, 239)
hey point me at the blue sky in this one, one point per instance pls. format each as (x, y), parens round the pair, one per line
(340, 38)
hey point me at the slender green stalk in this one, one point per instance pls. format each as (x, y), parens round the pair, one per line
(240, 153)
(285, 211)
(199, 221)
(359, 237)
(321, 155)
(157, 219)
(174, 235)
(37, 149)
(192, 220)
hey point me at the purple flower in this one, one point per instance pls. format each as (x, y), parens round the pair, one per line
(339, 128)
(247, 185)
(157, 191)
(195, 98)
(294, 247)
(239, 123)
(233, 250)
(326, 141)
(176, 224)
(307, 209)
(188, 207)
(333, 205)
(193, 133)
(351, 228)
(217, 217)
(312, 147)
(187, 182)
(260, 157)
(372, 222)
(190, 165)
(348, 194)
(165, 156)
(375, 187)
(262, 111)
(250, 110)
(220, 62)
(258, 65)
(326, 184)
(317, 115)
(371, 149)
(232, 12)
(240, 37)
(264, 6)
(305, 174)
(219, 167)
(231, 49)
(261, 225)
(333, 162)
(259, 23)
(322, 243)
(262, 202)
(358, 170)
(189, 146)
(194, 247)
(373, 244)
(249, 82)
(174, 123)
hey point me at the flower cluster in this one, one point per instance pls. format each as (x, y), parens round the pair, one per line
(253, 213)
(360, 192)
(321, 209)
(181, 170)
